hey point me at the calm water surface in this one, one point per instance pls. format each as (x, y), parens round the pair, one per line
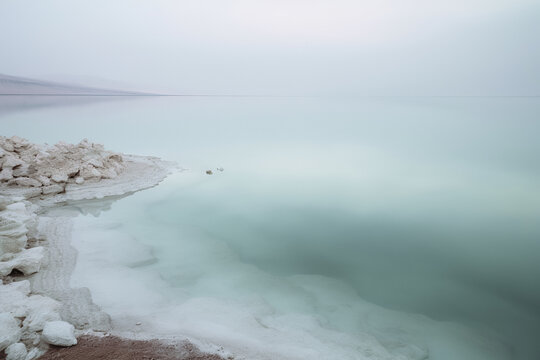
(407, 224)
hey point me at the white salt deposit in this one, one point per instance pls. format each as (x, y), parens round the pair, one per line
(214, 298)
(59, 333)
(16, 351)
(10, 332)
(34, 180)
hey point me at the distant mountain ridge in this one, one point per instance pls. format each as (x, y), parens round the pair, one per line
(15, 85)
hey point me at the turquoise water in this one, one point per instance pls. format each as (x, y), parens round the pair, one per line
(338, 228)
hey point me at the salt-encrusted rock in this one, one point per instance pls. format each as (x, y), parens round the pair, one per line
(35, 353)
(16, 351)
(27, 261)
(5, 201)
(24, 181)
(6, 174)
(108, 173)
(14, 220)
(40, 310)
(45, 181)
(12, 235)
(14, 298)
(37, 319)
(60, 177)
(10, 331)
(52, 189)
(4, 143)
(27, 165)
(59, 333)
(10, 161)
(23, 170)
(89, 172)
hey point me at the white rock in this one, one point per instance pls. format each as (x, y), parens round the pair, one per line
(19, 207)
(35, 353)
(38, 304)
(79, 180)
(52, 189)
(24, 181)
(59, 333)
(27, 261)
(23, 170)
(12, 235)
(11, 161)
(16, 351)
(14, 298)
(89, 172)
(109, 173)
(10, 332)
(37, 319)
(44, 180)
(59, 177)
(6, 174)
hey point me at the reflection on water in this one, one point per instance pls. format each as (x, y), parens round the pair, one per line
(422, 205)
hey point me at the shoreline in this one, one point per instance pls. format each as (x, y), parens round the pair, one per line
(37, 291)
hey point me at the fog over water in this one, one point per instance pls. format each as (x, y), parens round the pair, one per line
(339, 226)
(278, 47)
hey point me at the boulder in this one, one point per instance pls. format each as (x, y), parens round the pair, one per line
(37, 319)
(27, 261)
(59, 333)
(24, 181)
(16, 351)
(14, 298)
(12, 235)
(52, 189)
(10, 161)
(59, 177)
(23, 170)
(35, 353)
(6, 174)
(10, 332)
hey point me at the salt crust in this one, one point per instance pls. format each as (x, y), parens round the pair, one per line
(37, 305)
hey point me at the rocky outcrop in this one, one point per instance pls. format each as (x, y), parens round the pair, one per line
(37, 305)
(59, 333)
(16, 351)
(22, 314)
(46, 170)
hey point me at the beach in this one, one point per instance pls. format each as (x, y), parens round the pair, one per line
(36, 210)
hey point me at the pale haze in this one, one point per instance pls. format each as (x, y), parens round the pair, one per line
(278, 47)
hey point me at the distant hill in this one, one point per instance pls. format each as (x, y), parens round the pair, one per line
(14, 85)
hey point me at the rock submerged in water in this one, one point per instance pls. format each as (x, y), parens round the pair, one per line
(49, 168)
(59, 333)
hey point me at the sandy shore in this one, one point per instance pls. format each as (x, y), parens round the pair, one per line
(116, 348)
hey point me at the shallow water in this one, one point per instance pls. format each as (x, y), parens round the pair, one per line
(338, 228)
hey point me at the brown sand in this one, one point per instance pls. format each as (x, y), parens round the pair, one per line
(115, 348)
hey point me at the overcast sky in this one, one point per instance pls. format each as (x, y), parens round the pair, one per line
(280, 47)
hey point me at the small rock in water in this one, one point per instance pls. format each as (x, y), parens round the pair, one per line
(138, 323)
(209, 172)
(220, 169)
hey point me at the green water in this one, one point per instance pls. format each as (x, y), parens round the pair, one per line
(412, 220)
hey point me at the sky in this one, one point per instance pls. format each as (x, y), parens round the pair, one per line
(278, 47)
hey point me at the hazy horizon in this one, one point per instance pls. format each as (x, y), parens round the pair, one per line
(300, 47)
